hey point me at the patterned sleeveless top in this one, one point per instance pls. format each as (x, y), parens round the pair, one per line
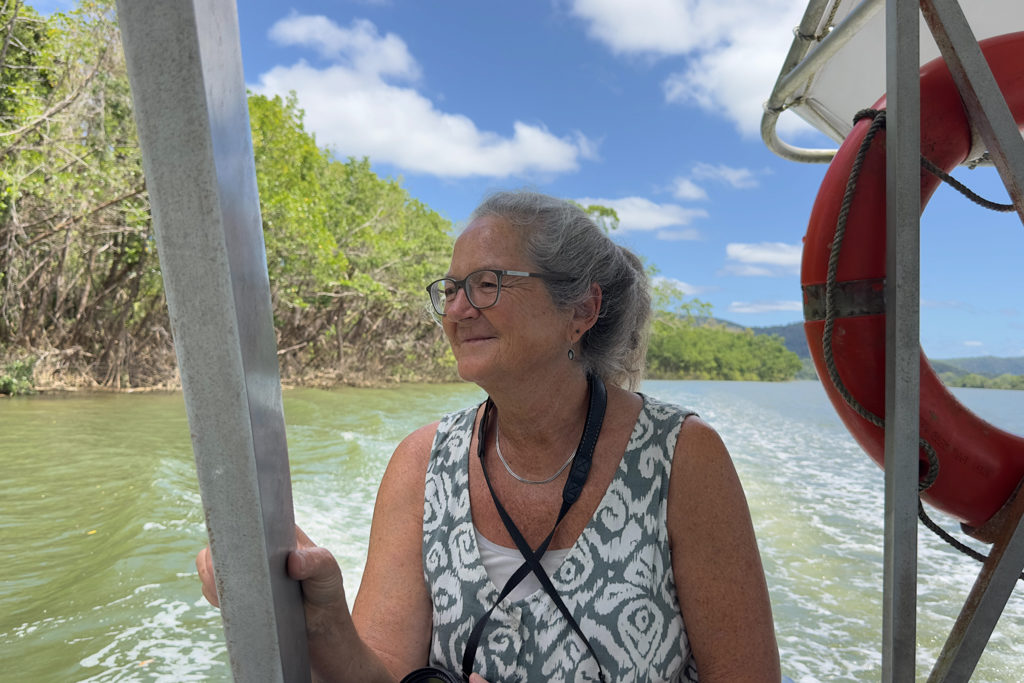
(616, 580)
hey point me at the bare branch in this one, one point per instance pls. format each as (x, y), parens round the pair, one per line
(54, 110)
(10, 31)
(74, 219)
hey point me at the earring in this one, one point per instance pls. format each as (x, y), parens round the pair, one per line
(572, 354)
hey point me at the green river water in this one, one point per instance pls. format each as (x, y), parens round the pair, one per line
(101, 518)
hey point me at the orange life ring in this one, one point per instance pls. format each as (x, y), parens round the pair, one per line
(980, 465)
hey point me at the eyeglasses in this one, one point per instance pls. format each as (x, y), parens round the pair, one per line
(482, 287)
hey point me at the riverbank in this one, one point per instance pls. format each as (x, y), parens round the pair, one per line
(59, 372)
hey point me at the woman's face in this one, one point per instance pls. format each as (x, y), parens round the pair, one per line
(523, 334)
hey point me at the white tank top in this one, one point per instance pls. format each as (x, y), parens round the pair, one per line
(500, 563)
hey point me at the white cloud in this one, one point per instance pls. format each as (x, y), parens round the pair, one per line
(588, 148)
(950, 304)
(764, 306)
(684, 288)
(740, 178)
(658, 27)
(684, 188)
(638, 213)
(688, 235)
(774, 253)
(974, 343)
(762, 259)
(361, 47)
(732, 49)
(354, 107)
(747, 270)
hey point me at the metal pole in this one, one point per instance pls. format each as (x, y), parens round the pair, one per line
(185, 69)
(902, 342)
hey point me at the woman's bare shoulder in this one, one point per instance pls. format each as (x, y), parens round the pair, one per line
(696, 436)
(412, 454)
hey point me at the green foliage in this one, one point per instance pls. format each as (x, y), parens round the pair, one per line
(348, 254)
(793, 336)
(80, 285)
(990, 366)
(292, 172)
(16, 377)
(984, 372)
(683, 349)
(686, 343)
(978, 381)
(605, 216)
(670, 304)
(807, 370)
(77, 272)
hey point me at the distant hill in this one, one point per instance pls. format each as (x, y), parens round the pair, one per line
(987, 366)
(792, 336)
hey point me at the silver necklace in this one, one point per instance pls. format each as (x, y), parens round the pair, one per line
(497, 447)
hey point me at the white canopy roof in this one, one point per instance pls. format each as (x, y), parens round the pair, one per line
(836, 65)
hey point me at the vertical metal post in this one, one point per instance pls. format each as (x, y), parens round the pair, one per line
(902, 343)
(185, 70)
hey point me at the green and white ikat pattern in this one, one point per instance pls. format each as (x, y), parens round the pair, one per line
(616, 580)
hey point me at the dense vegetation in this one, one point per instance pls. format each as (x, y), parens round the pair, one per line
(976, 381)
(348, 254)
(79, 287)
(81, 296)
(686, 343)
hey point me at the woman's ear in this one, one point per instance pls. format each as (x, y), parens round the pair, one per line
(588, 311)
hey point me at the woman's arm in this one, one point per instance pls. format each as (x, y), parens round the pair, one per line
(719, 578)
(393, 611)
(388, 632)
(336, 651)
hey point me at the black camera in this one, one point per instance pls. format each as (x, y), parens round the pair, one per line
(432, 674)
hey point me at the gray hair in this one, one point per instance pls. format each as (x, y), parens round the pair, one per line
(561, 238)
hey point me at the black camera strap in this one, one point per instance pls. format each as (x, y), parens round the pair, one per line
(570, 493)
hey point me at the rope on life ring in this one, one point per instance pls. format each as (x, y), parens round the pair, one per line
(969, 468)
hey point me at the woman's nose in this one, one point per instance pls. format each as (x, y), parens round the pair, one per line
(460, 307)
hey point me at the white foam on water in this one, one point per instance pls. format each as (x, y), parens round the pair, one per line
(818, 503)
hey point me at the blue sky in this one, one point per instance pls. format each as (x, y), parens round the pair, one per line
(651, 107)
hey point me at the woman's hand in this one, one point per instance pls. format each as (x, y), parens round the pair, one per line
(323, 590)
(315, 567)
(476, 678)
(336, 651)
(204, 564)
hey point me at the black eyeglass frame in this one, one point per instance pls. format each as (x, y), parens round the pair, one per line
(499, 274)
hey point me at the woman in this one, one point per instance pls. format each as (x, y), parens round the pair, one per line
(654, 563)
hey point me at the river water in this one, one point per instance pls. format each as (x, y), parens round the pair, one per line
(101, 518)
